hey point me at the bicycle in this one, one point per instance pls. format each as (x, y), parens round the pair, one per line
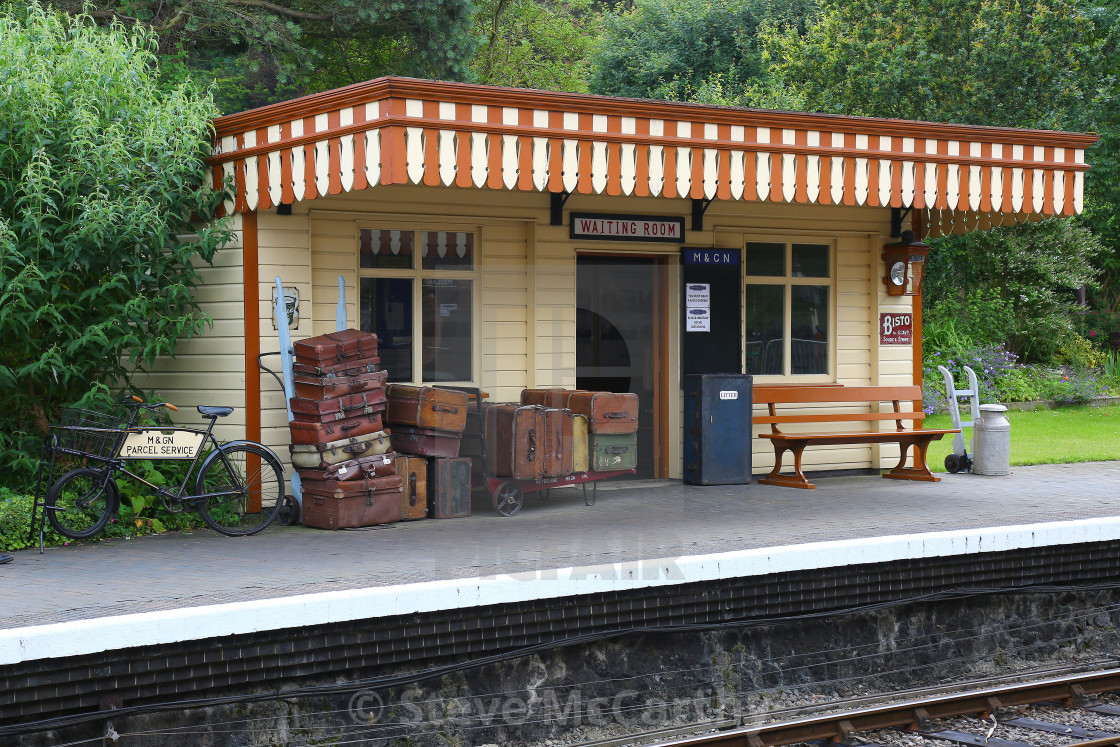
(238, 487)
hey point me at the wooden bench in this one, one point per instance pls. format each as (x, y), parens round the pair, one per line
(839, 397)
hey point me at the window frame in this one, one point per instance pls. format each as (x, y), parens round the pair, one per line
(417, 275)
(787, 281)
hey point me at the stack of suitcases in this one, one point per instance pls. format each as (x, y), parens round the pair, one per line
(557, 432)
(340, 447)
(426, 431)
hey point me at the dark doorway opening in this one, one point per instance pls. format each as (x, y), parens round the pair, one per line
(621, 322)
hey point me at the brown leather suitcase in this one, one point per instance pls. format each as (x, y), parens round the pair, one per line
(330, 504)
(606, 412)
(413, 470)
(316, 387)
(427, 407)
(343, 370)
(323, 433)
(380, 465)
(337, 408)
(515, 441)
(558, 451)
(321, 456)
(449, 488)
(335, 347)
(538, 396)
(408, 439)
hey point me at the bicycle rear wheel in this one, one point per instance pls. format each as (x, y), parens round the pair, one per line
(256, 481)
(80, 503)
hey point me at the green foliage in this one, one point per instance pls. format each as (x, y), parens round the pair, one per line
(102, 177)
(696, 50)
(542, 44)
(1028, 273)
(996, 62)
(258, 53)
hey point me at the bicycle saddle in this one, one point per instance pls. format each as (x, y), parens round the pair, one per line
(214, 412)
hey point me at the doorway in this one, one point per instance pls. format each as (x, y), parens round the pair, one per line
(621, 342)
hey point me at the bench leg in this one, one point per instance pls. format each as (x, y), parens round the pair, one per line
(920, 470)
(796, 480)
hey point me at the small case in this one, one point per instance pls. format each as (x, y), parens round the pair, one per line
(380, 465)
(337, 408)
(335, 347)
(427, 407)
(611, 451)
(324, 433)
(606, 412)
(449, 488)
(407, 439)
(413, 471)
(316, 387)
(343, 370)
(321, 456)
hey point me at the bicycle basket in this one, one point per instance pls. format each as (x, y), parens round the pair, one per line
(87, 433)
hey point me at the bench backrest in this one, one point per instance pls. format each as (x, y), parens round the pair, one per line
(786, 394)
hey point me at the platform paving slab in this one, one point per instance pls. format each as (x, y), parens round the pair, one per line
(631, 521)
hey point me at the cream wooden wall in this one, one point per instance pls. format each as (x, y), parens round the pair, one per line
(209, 369)
(525, 297)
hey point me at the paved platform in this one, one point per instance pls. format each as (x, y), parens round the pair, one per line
(105, 594)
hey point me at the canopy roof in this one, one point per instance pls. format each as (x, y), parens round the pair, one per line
(406, 131)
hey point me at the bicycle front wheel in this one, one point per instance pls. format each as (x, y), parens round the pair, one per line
(80, 503)
(251, 481)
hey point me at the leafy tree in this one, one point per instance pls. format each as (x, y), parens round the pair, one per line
(1020, 281)
(104, 194)
(544, 44)
(687, 49)
(993, 62)
(262, 51)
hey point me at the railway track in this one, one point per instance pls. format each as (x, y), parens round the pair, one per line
(1065, 711)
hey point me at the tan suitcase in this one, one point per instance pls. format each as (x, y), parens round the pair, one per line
(427, 407)
(579, 444)
(321, 456)
(413, 470)
(557, 453)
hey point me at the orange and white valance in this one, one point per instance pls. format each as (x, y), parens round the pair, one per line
(400, 131)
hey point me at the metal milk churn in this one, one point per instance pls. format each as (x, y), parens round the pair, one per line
(991, 442)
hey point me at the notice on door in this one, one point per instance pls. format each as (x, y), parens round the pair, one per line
(698, 295)
(698, 320)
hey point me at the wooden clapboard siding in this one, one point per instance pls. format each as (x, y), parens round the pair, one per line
(525, 305)
(210, 369)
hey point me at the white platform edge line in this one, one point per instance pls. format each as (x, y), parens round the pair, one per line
(80, 637)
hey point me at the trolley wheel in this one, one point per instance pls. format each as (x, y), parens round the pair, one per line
(953, 463)
(508, 499)
(966, 463)
(289, 511)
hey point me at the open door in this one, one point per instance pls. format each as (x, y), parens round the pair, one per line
(621, 342)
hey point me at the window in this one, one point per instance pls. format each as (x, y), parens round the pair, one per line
(431, 304)
(787, 308)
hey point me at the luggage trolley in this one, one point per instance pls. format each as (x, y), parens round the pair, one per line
(507, 494)
(292, 505)
(959, 459)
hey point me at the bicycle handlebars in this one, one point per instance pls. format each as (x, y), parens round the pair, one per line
(152, 406)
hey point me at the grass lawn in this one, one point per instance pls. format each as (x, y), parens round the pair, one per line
(1065, 435)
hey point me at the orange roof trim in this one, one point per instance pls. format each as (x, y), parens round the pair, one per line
(404, 131)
